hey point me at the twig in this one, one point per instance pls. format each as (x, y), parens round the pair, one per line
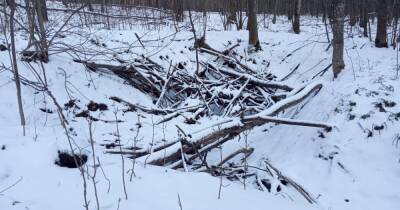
(11, 186)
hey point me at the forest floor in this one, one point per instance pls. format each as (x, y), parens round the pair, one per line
(355, 166)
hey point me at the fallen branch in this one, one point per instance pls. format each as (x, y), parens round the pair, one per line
(292, 183)
(246, 151)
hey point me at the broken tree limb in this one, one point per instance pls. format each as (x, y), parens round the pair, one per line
(292, 122)
(256, 81)
(155, 111)
(141, 153)
(246, 151)
(292, 183)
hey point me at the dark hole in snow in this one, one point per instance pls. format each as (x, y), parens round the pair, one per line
(352, 116)
(3, 147)
(134, 148)
(365, 116)
(278, 189)
(84, 114)
(180, 66)
(379, 106)
(267, 184)
(65, 159)
(328, 129)
(352, 103)
(370, 134)
(230, 64)
(321, 135)
(110, 145)
(46, 110)
(397, 115)
(389, 104)
(70, 104)
(379, 127)
(347, 200)
(93, 106)
(15, 203)
(190, 121)
(284, 182)
(3, 47)
(322, 157)
(29, 56)
(62, 36)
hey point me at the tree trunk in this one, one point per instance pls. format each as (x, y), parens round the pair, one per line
(31, 22)
(275, 11)
(252, 25)
(352, 11)
(42, 30)
(364, 18)
(382, 12)
(296, 21)
(42, 7)
(15, 65)
(337, 21)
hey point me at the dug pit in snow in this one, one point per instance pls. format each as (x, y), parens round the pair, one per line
(65, 159)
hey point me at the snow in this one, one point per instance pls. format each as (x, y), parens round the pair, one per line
(343, 169)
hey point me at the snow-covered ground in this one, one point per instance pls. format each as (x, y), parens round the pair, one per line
(355, 166)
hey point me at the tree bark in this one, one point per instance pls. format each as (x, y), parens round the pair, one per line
(41, 13)
(252, 25)
(31, 21)
(296, 20)
(364, 18)
(275, 11)
(15, 65)
(337, 21)
(382, 12)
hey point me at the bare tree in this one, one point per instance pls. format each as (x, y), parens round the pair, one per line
(337, 21)
(17, 80)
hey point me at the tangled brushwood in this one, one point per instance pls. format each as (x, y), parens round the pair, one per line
(221, 86)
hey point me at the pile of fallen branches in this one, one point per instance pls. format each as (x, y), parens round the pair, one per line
(222, 87)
